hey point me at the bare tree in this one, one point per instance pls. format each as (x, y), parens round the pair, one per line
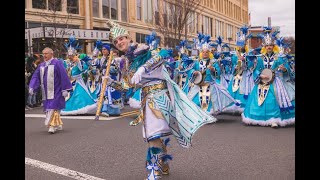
(172, 19)
(57, 23)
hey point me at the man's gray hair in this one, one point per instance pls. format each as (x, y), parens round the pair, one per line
(48, 49)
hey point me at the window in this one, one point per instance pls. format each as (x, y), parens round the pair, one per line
(140, 38)
(219, 28)
(114, 9)
(54, 5)
(106, 9)
(165, 17)
(39, 4)
(170, 9)
(229, 31)
(236, 30)
(124, 16)
(191, 22)
(138, 9)
(156, 12)
(95, 8)
(207, 25)
(147, 9)
(110, 9)
(73, 6)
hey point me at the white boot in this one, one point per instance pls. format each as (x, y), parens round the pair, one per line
(274, 125)
(51, 130)
(104, 114)
(59, 128)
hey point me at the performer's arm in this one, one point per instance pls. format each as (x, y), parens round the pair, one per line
(35, 80)
(156, 60)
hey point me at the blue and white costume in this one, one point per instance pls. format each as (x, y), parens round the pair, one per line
(242, 81)
(93, 82)
(165, 109)
(205, 92)
(80, 100)
(270, 103)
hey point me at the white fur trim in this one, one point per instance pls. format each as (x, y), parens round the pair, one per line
(280, 122)
(91, 109)
(134, 103)
(286, 122)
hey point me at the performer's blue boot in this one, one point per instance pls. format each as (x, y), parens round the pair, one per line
(157, 161)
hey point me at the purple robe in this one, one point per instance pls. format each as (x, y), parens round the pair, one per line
(52, 80)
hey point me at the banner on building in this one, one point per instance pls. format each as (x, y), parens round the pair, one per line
(50, 32)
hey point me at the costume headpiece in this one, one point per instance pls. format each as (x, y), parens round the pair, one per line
(183, 47)
(268, 37)
(219, 43)
(116, 31)
(242, 36)
(202, 44)
(97, 48)
(72, 46)
(282, 45)
(107, 46)
(152, 41)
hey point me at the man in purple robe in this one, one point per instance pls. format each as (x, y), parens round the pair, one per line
(52, 79)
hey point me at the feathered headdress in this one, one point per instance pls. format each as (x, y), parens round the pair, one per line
(219, 43)
(203, 42)
(72, 46)
(242, 36)
(268, 37)
(152, 41)
(282, 45)
(182, 48)
(97, 48)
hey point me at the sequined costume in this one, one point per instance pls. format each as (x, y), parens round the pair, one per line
(165, 109)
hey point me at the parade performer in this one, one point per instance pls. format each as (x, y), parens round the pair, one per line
(113, 101)
(184, 66)
(80, 100)
(94, 78)
(269, 102)
(165, 109)
(226, 67)
(152, 42)
(205, 92)
(286, 77)
(242, 81)
(53, 80)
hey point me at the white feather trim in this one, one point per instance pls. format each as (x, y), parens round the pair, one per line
(280, 122)
(91, 109)
(134, 103)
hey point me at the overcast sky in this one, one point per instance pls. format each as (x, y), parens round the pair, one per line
(282, 14)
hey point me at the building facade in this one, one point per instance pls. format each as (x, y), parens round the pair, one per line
(140, 17)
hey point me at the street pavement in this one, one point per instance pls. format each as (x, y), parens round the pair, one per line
(113, 150)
